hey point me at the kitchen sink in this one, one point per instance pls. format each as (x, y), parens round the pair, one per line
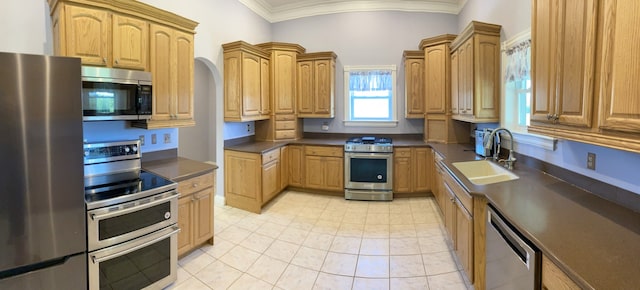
(484, 172)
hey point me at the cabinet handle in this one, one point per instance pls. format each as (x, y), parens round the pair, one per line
(116, 61)
(194, 185)
(548, 116)
(104, 60)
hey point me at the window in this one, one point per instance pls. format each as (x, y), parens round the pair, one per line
(370, 95)
(518, 93)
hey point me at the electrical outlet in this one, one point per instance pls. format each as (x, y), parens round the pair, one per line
(154, 140)
(167, 138)
(591, 161)
(248, 127)
(325, 126)
(141, 137)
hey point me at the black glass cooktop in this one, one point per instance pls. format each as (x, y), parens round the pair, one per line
(146, 181)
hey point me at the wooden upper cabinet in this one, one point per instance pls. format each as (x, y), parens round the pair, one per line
(246, 82)
(130, 42)
(437, 73)
(88, 33)
(171, 54)
(455, 82)
(316, 85)
(283, 59)
(620, 75)
(477, 50)
(305, 87)
(563, 73)
(133, 35)
(414, 83)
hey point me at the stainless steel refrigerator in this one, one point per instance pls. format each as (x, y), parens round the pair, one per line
(42, 211)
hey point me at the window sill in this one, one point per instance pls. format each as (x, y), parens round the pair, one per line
(540, 141)
(379, 124)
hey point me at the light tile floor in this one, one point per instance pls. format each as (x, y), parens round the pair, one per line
(310, 241)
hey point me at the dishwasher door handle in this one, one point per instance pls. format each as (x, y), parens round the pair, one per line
(509, 237)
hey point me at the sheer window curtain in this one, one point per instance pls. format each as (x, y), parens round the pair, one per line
(517, 80)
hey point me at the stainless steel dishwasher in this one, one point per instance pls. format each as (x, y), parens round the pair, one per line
(512, 262)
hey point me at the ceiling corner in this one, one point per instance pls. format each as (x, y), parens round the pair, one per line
(260, 7)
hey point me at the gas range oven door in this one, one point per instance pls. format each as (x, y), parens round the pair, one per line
(368, 171)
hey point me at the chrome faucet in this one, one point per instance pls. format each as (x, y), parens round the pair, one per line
(508, 163)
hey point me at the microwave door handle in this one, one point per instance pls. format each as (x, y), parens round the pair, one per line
(96, 260)
(134, 208)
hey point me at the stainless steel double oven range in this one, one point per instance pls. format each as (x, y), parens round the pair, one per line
(131, 220)
(368, 168)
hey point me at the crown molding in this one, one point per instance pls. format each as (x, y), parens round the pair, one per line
(308, 8)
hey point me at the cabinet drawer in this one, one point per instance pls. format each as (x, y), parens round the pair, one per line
(285, 134)
(402, 152)
(271, 156)
(285, 117)
(285, 125)
(194, 184)
(323, 151)
(461, 194)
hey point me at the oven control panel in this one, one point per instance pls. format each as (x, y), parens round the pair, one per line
(375, 148)
(110, 151)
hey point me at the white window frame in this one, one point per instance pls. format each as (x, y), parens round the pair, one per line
(347, 101)
(520, 134)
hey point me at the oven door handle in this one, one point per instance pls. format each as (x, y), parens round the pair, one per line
(372, 155)
(96, 260)
(134, 208)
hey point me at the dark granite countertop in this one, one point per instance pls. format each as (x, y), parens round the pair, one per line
(178, 168)
(592, 239)
(595, 241)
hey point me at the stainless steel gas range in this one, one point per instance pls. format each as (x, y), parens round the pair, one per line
(368, 168)
(131, 220)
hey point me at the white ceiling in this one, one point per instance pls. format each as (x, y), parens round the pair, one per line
(281, 10)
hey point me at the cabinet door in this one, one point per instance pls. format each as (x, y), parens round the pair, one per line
(422, 161)
(183, 75)
(270, 180)
(130, 43)
(450, 214)
(305, 87)
(284, 89)
(334, 173)
(88, 35)
(577, 28)
(161, 71)
(436, 71)
(203, 213)
(466, 69)
(243, 180)
(324, 86)
(564, 61)
(402, 174)
(296, 166)
(185, 220)
(414, 87)
(314, 172)
(543, 60)
(265, 93)
(232, 85)
(455, 82)
(620, 104)
(251, 89)
(553, 278)
(284, 167)
(484, 88)
(464, 239)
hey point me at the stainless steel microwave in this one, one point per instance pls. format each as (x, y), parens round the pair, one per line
(115, 94)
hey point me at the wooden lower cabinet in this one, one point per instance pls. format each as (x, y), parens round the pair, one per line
(195, 212)
(412, 170)
(464, 219)
(553, 278)
(296, 165)
(324, 168)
